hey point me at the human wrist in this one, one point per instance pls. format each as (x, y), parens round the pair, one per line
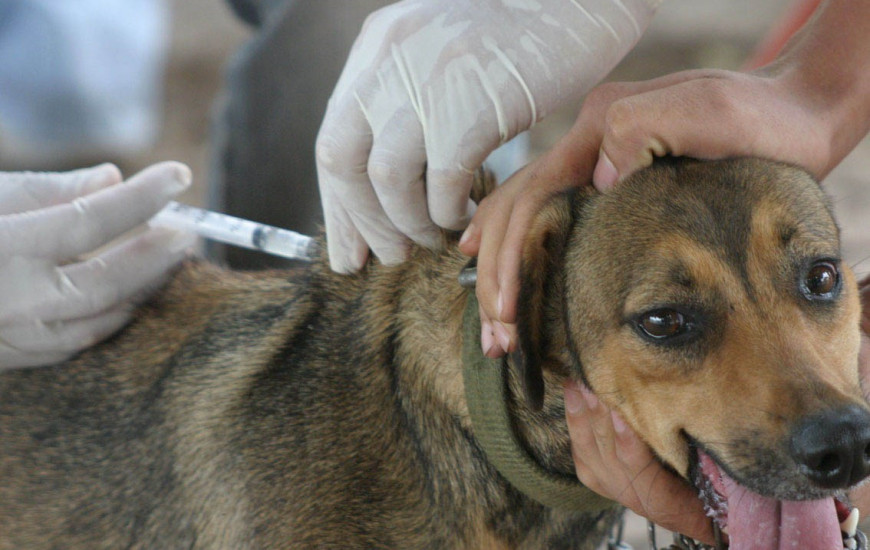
(824, 68)
(836, 112)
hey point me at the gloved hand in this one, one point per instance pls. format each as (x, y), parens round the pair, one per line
(430, 89)
(52, 302)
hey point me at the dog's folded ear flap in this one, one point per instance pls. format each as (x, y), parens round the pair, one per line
(540, 284)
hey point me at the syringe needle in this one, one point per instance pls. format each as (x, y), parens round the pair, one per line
(236, 231)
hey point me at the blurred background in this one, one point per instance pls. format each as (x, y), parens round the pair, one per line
(236, 90)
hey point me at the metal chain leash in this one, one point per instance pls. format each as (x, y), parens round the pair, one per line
(680, 542)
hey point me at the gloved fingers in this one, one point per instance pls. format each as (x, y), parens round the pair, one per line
(124, 273)
(66, 231)
(23, 191)
(342, 151)
(347, 249)
(355, 221)
(447, 192)
(39, 343)
(388, 243)
(396, 168)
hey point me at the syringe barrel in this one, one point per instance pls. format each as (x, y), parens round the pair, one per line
(236, 231)
(283, 242)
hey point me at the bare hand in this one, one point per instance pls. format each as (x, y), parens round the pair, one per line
(612, 461)
(621, 128)
(810, 108)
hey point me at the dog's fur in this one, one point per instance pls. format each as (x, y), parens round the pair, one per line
(307, 409)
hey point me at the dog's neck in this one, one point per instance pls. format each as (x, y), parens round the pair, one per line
(429, 353)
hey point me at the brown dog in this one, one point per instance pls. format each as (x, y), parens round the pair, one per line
(704, 301)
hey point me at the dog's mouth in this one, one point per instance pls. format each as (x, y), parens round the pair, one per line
(756, 522)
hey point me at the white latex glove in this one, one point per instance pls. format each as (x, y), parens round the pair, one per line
(52, 303)
(431, 88)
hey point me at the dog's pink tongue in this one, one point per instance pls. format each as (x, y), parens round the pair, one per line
(761, 523)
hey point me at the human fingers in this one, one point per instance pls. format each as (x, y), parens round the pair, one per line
(489, 222)
(65, 231)
(455, 67)
(38, 343)
(354, 217)
(394, 166)
(124, 273)
(22, 191)
(346, 247)
(614, 462)
(85, 288)
(499, 227)
(712, 115)
(498, 231)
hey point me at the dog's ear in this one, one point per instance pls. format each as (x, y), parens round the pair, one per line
(540, 280)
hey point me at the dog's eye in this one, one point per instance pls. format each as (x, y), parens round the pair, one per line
(822, 281)
(661, 324)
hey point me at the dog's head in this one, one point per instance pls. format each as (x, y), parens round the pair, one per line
(708, 304)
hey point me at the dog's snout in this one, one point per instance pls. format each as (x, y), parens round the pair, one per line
(833, 448)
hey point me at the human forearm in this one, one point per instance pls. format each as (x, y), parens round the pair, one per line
(826, 67)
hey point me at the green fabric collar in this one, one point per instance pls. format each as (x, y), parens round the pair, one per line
(486, 390)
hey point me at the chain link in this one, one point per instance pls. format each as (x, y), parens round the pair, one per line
(680, 542)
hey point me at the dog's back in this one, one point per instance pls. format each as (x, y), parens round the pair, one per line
(114, 448)
(311, 410)
(266, 410)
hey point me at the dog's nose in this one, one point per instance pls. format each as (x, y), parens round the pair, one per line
(833, 448)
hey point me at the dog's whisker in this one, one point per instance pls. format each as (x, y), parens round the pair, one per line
(854, 265)
(849, 197)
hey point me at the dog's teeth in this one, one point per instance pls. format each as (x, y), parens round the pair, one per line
(850, 544)
(850, 524)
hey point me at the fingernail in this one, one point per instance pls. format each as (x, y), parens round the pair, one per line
(605, 176)
(107, 172)
(99, 177)
(619, 424)
(182, 242)
(591, 400)
(174, 175)
(465, 236)
(574, 403)
(503, 336)
(183, 175)
(486, 340)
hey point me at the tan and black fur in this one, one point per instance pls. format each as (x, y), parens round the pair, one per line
(306, 409)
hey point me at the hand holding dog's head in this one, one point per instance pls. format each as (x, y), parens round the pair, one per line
(707, 303)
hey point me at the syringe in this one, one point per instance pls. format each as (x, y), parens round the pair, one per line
(236, 231)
